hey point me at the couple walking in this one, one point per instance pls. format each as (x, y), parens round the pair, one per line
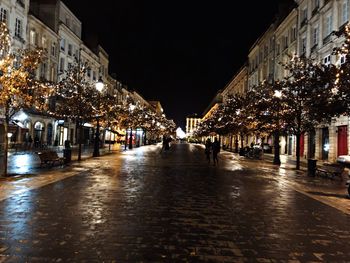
(213, 148)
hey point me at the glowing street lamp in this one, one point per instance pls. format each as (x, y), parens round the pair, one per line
(99, 87)
(276, 159)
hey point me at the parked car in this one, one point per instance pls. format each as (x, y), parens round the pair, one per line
(344, 159)
(266, 147)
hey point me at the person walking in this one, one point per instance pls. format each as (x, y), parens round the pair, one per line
(216, 149)
(207, 150)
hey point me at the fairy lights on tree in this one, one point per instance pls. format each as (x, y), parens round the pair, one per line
(76, 98)
(307, 97)
(18, 86)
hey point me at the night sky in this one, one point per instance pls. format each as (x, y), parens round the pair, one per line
(178, 52)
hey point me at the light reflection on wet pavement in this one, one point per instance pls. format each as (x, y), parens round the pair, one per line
(147, 206)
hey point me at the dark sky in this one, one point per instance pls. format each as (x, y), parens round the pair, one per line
(178, 52)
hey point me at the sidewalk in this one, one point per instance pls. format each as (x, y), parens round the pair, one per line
(332, 192)
(28, 162)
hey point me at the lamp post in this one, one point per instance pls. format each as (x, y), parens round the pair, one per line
(131, 109)
(276, 159)
(99, 87)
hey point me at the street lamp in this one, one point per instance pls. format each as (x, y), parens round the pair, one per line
(99, 87)
(131, 109)
(276, 159)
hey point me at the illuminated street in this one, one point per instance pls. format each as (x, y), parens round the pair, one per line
(147, 206)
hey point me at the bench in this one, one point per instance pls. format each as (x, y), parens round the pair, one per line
(50, 157)
(330, 170)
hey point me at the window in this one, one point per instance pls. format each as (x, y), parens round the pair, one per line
(52, 73)
(316, 4)
(272, 44)
(285, 42)
(303, 46)
(67, 21)
(345, 12)
(342, 59)
(315, 36)
(293, 34)
(53, 49)
(44, 42)
(32, 37)
(70, 49)
(327, 60)
(94, 75)
(303, 16)
(3, 15)
(266, 51)
(328, 25)
(63, 44)
(77, 53)
(62, 65)
(278, 47)
(18, 28)
(43, 69)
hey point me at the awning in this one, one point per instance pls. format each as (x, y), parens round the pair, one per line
(13, 126)
(20, 124)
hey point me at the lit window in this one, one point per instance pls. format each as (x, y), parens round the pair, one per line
(327, 60)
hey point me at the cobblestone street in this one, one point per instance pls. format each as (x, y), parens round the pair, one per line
(146, 205)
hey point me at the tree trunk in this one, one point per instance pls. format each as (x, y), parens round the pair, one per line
(80, 127)
(276, 159)
(298, 134)
(130, 139)
(6, 124)
(242, 145)
(236, 144)
(126, 140)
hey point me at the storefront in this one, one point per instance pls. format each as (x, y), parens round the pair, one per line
(138, 137)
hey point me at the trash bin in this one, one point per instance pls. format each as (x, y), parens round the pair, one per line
(241, 152)
(67, 154)
(311, 166)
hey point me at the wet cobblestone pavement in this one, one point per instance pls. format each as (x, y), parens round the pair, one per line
(147, 206)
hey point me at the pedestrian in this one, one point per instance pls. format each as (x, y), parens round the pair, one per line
(30, 141)
(207, 150)
(165, 144)
(216, 149)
